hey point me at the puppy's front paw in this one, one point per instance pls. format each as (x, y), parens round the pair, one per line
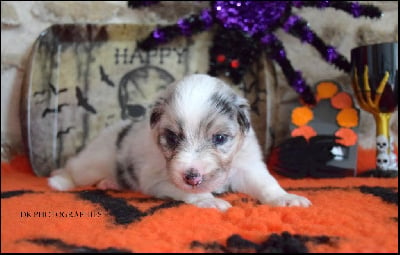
(217, 203)
(289, 200)
(62, 183)
(107, 184)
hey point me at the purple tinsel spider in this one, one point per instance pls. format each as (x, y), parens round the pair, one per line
(254, 23)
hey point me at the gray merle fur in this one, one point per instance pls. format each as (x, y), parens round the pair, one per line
(122, 134)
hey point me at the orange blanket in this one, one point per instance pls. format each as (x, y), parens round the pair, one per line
(348, 215)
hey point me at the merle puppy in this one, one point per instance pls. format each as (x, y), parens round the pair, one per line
(197, 141)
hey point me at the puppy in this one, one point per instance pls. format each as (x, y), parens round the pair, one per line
(197, 141)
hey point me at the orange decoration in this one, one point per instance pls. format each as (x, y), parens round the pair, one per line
(347, 118)
(342, 100)
(302, 115)
(326, 90)
(349, 137)
(305, 131)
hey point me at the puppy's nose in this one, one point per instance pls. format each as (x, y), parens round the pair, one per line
(192, 177)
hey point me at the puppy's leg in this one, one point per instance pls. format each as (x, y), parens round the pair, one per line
(256, 181)
(87, 168)
(61, 180)
(94, 164)
(252, 177)
(204, 200)
(107, 183)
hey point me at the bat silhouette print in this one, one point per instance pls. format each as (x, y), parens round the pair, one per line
(105, 77)
(64, 132)
(55, 110)
(40, 92)
(55, 91)
(83, 101)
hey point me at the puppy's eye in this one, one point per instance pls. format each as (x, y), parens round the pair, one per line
(219, 139)
(171, 138)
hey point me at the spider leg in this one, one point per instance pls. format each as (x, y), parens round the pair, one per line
(352, 8)
(276, 51)
(186, 26)
(299, 28)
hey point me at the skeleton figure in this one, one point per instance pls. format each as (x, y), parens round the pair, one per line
(386, 158)
(382, 144)
(383, 161)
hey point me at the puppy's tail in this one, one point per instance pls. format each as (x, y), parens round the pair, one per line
(61, 180)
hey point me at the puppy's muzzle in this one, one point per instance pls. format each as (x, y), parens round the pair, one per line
(192, 177)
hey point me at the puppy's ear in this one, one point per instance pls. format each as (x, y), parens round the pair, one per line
(243, 116)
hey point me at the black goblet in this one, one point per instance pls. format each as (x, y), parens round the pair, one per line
(375, 84)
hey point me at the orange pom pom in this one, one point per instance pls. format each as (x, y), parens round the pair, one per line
(305, 131)
(326, 90)
(349, 137)
(347, 118)
(302, 115)
(342, 100)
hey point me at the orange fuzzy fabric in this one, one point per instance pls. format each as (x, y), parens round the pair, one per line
(347, 215)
